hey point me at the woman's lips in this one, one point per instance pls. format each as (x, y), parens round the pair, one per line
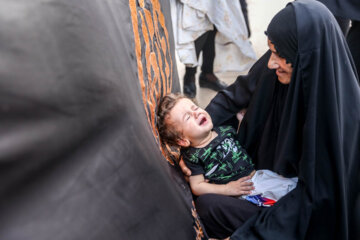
(279, 72)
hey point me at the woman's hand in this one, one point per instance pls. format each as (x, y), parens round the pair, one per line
(240, 115)
(239, 187)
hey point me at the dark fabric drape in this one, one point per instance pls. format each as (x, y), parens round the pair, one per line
(79, 158)
(353, 39)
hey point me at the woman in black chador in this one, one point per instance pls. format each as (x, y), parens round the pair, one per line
(303, 119)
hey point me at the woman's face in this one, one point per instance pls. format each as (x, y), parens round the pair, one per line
(283, 69)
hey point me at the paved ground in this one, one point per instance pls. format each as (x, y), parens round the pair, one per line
(260, 13)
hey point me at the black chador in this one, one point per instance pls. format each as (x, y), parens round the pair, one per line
(309, 128)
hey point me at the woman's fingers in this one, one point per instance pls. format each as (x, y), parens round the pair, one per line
(240, 115)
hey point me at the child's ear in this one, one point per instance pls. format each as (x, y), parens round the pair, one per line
(183, 142)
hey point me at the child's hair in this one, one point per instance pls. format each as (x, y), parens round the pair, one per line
(168, 133)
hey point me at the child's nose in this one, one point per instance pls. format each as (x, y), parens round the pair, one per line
(196, 114)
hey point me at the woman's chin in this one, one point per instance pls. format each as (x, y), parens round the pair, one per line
(284, 80)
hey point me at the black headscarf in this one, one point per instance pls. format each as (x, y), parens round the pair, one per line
(282, 33)
(318, 137)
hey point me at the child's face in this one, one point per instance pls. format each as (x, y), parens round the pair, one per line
(193, 123)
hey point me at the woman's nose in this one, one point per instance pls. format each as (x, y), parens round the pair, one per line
(272, 63)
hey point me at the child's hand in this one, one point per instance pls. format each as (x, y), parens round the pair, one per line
(186, 171)
(240, 187)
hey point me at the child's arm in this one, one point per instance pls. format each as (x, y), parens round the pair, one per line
(235, 188)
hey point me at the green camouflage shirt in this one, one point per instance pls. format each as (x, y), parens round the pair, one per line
(222, 160)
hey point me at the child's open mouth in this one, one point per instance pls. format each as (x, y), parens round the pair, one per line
(203, 120)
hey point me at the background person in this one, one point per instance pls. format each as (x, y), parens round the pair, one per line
(195, 24)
